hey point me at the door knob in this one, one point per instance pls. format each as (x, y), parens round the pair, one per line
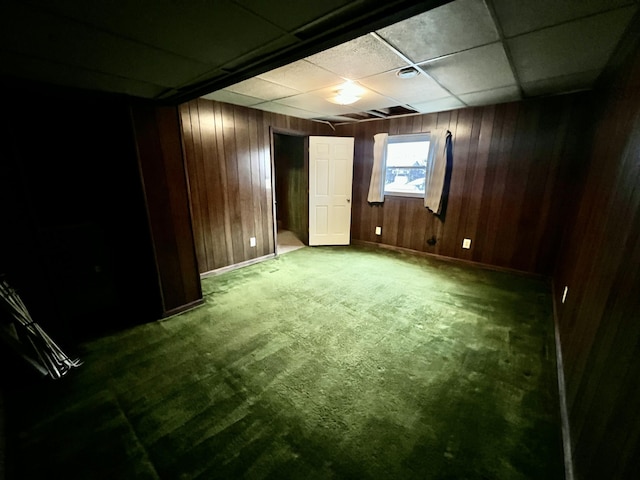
(348, 200)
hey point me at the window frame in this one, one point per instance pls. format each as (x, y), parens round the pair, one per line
(409, 138)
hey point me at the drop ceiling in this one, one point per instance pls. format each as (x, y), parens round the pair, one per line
(289, 56)
(467, 53)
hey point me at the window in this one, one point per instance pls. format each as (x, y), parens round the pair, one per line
(405, 170)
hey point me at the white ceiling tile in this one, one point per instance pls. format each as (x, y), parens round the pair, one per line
(232, 97)
(296, 14)
(450, 28)
(267, 48)
(358, 58)
(561, 84)
(491, 97)
(439, 105)
(521, 16)
(64, 41)
(569, 48)
(421, 88)
(302, 76)
(481, 68)
(373, 101)
(211, 33)
(287, 110)
(57, 73)
(258, 88)
(316, 102)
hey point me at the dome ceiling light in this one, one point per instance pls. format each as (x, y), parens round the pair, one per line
(347, 94)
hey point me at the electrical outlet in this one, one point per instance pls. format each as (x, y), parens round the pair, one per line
(564, 294)
(252, 242)
(466, 243)
(378, 230)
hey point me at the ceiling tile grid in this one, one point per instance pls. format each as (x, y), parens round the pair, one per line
(417, 89)
(211, 36)
(578, 46)
(477, 69)
(518, 17)
(451, 28)
(359, 58)
(263, 89)
(302, 75)
(467, 53)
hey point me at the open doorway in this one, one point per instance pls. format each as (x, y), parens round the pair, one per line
(291, 190)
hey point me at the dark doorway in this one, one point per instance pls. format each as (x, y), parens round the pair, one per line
(291, 185)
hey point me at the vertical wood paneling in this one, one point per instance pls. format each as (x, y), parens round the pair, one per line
(221, 185)
(486, 223)
(160, 155)
(499, 161)
(232, 182)
(245, 188)
(257, 186)
(75, 238)
(600, 263)
(266, 171)
(228, 157)
(214, 244)
(465, 182)
(292, 180)
(475, 220)
(461, 136)
(507, 172)
(193, 136)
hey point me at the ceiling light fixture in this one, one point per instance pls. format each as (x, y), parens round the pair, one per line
(347, 94)
(407, 72)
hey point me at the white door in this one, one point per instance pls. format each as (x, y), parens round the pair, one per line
(330, 177)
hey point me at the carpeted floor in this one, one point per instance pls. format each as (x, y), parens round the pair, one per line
(326, 362)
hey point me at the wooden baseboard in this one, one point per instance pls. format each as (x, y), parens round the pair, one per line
(458, 261)
(235, 266)
(183, 308)
(562, 392)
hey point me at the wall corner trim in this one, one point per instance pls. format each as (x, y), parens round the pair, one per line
(564, 415)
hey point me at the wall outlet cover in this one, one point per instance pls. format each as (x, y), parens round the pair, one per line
(252, 241)
(466, 243)
(378, 230)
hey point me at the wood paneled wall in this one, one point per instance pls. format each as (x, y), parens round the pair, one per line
(228, 157)
(162, 166)
(75, 239)
(512, 168)
(292, 184)
(599, 262)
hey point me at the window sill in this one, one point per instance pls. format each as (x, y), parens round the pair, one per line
(405, 195)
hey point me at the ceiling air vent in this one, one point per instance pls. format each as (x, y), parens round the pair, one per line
(380, 113)
(407, 72)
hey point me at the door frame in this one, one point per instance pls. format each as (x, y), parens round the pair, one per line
(291, 133)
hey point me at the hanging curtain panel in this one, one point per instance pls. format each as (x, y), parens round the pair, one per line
(436, 175)
(376, 185)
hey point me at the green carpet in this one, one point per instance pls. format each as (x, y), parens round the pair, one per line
(326, 362)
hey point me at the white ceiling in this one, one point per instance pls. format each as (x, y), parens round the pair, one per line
(467, 52)
(288, 56)
(175, 50)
